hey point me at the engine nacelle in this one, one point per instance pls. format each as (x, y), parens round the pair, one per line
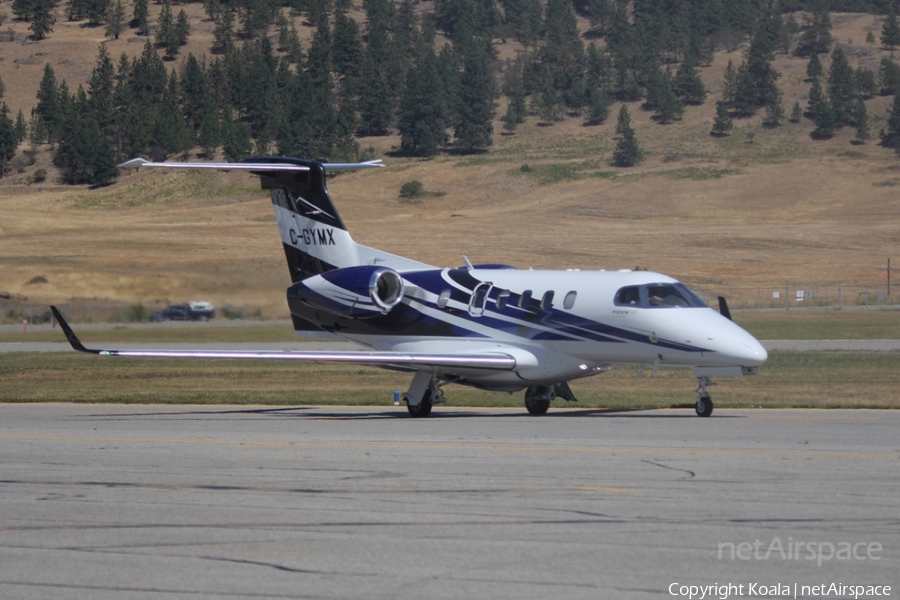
(360, 292)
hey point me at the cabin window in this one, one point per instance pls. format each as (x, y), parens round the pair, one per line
(525, 299)
(569, 300)
(629, 296)
(479, 298)
(668, 295)
(443, 299)
(547, 300)
(502, 299)
(659, 295)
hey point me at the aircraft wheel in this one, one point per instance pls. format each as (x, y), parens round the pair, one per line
(537, 407)
(424, 407)
(537, 400)
(704, 406)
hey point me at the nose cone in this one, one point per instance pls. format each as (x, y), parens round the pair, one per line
(737, 347)
(750, 353)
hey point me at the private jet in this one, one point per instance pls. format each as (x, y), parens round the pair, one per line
(489, 326)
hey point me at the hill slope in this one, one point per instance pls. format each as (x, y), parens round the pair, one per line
(754, 209)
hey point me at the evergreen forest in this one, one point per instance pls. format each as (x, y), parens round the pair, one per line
(430, 72)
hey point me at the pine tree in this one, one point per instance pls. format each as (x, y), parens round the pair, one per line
(165, 27)
(890, 29)
(170, 132)
(375, 105)
(194, 93)
(115, 20)
(890, 138)
(865, 82)
(624, 122)
(48, 106)
(814, 68)
(97, 10)
(22, 9)
(209, 136)
(422, 109)
(37, 131)
(745, 96)
(223, 33)
(9, 140)
(21, 127)
(670, 107)
(598, 106)
(474, 128)
(861, 122)
(514, 88)
(141, 17)
(85, 155)
(627, 152)
(722, 123)
(101, 87)
(889, 77)
(688, 86)
(548, 105)
(816, 37)
(346, 46)
(796, 113)
(182, 28)
(817, 101)
(774, 110)
(841, 87)
(729, 87)
(289, 41)
(42, 19)
(825, 121)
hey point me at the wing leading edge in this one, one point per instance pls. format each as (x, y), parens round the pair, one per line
(136, 163)
(496, 361)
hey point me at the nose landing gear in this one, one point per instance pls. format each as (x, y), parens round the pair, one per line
(704, 405)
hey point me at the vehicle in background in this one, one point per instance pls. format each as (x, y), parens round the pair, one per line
(190, 311)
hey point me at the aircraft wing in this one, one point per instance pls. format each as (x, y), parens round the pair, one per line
(494, 360)
(136, 163)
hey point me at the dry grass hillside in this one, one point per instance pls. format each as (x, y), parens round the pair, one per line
(756, 208)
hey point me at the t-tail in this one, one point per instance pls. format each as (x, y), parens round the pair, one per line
(328, 269)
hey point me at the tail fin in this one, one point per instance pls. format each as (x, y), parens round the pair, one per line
(314, 237)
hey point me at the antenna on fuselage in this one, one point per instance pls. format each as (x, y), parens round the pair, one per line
(468, 264)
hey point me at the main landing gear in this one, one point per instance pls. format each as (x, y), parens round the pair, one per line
(428, 390)
(704, 405)
(539, 397)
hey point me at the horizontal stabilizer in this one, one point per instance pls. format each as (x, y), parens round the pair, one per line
(135, 163)
(499, 361)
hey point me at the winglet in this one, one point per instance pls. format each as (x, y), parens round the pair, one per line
(723, 308)
(70, 335)
(134, 163)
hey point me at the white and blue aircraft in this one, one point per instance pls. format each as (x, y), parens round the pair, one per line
(493, 327)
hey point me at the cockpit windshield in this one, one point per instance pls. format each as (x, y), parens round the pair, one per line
(659, 295)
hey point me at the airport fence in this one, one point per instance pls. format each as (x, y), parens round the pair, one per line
(803, 295)
(785, 296)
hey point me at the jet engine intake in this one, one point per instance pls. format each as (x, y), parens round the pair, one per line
(363, 291)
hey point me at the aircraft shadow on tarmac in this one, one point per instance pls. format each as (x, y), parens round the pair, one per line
(318, 413)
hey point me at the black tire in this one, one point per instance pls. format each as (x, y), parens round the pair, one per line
(537, 407)
(704, 406)
(423, 409)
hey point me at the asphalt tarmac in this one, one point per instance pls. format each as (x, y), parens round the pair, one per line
(122, 502)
